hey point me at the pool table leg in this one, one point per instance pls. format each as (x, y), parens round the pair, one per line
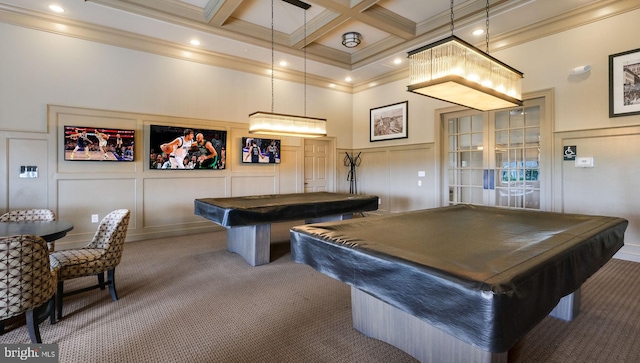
(253, 243)
(379, 320)
(339, 217)
(568, 307)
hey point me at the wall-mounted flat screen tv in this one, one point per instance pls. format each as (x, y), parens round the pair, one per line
(260, 151)
(185, 148)
(98, 144)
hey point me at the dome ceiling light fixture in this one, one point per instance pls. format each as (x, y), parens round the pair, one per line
(351, 39)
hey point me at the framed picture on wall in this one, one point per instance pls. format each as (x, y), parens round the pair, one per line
(624, 83)
(389, 122)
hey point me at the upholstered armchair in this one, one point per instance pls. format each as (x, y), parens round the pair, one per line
(28, 215)
(27, 283)
(101, 255)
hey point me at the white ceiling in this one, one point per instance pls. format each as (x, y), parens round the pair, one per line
(389, 28)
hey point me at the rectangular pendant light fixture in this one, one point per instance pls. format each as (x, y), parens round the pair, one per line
(453, 70)
(281, 124)
(289, 125)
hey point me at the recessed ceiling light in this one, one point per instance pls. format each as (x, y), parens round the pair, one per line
(56, 8)
(283, 63)
(397, 61)
(195, 42)
(478, 32)
(348, 79)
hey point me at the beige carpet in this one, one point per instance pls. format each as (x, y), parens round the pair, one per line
(189, 300)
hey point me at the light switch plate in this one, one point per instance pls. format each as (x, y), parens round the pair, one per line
(584, 162)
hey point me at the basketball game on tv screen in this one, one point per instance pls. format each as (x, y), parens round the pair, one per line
(184, 148)
(260, 151)
(98, 144)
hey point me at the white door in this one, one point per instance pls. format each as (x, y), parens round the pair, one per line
(494, 158)
(318, 165)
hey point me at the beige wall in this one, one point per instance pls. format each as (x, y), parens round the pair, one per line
(610, 187)
(161, 201)
(393, 174)
(39, 69)
(581, 103)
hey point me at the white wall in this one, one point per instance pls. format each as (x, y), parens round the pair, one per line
(39, 68)
(78, 79)
(420, 123)
(581, 103)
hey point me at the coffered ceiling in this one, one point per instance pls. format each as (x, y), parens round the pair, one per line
(240, 30)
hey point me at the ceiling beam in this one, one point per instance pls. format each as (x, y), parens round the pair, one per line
(218, 11)
(369, 13)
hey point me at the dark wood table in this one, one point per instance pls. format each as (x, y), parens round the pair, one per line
(248, 219)
(50, 231)
(460, 283)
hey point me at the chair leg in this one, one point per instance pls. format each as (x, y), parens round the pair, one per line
(101, 280)
(51, 309)
(111, 275)
(59, 294)
(32, 326)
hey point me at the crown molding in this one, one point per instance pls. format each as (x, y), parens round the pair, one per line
(91, 32)
(119, 38)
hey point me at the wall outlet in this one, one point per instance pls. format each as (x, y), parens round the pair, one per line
(94, 218)
(379, 200)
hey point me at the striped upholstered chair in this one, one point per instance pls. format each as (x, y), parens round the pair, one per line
(27, 283)
(101, 255)
(28, 215)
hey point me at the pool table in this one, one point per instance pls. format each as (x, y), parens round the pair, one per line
(248, 219)
(460, 283)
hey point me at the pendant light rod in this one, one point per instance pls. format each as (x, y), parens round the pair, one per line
(487, 32)
(451, 26)
(272, 58)
(305, 62)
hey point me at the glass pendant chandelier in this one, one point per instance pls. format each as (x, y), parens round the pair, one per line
(452, 70)
(283, 124)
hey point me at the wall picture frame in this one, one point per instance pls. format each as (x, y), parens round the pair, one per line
(624, 83)
(389, 122)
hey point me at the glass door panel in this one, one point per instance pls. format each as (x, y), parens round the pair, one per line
(494, 157)
(466, 158)
(517, 163)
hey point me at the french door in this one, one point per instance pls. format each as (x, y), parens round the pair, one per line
(494, 158)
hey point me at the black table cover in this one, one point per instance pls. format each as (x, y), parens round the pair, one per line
(243, 211)
(484, 275)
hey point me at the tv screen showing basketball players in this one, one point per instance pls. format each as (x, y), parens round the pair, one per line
(260, 150)
(185, 148)
(98, 144)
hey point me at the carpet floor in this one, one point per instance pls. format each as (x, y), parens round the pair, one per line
(186, 299)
